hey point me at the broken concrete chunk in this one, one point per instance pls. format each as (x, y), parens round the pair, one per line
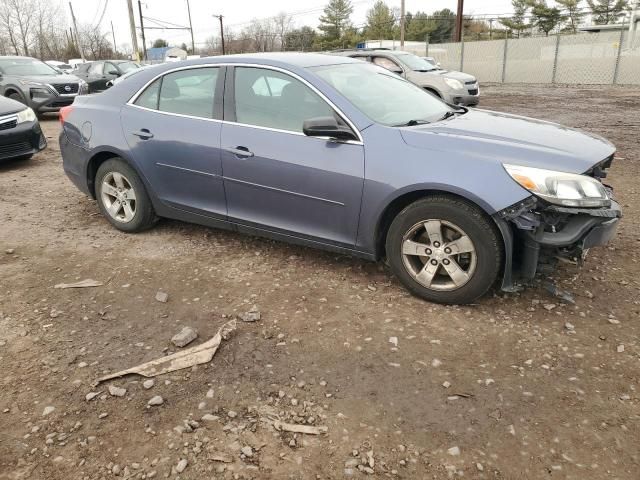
(184, 337)
(117, 391)
(162, 296)
(182, 464)
(252, 315)
(48, 410)
(147, 384)
(157, 400)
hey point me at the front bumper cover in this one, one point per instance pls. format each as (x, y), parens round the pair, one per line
(538, 234)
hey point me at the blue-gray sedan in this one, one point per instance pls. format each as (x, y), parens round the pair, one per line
(342, 155)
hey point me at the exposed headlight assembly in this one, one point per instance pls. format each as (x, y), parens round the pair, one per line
(453, 83)
(560, 188)
(26, 115)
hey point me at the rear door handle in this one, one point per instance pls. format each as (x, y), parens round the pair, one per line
(143, 133)
(241, 152)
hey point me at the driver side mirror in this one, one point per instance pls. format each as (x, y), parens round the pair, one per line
(327, 127)
(114, 72)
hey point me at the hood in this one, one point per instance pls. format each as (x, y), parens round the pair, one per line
(512, 139)
(8, 106)
(62, 78)
(463, 77)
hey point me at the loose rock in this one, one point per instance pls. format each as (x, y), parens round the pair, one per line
(157, 400)
(184, 337)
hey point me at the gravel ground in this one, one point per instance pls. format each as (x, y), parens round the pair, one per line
(518, 386)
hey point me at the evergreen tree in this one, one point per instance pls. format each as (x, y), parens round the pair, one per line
(544, 17)
(335, 19)
(517, 21)
(380, 22)
(573, 13)
(607, 11)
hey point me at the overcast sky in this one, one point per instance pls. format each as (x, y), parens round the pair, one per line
(238, 13)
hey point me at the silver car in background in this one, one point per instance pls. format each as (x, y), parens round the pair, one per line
(456, 88)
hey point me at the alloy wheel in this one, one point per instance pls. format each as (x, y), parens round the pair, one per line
(118, 197)
(439, 255)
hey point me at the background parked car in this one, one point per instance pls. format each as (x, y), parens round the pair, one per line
(38, 85)
(60, 66)
(20, 133)
(453, 87)
(97, 74)
(130, 73)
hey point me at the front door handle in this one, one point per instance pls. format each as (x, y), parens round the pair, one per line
(240, 152)
(143, 133)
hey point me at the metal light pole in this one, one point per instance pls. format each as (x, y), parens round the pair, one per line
(458, 32)
(402, 25)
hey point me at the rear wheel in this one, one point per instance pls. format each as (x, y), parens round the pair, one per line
(444, 250)
(122, 197)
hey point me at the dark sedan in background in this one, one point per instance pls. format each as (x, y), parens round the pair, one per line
(38, 85)
(20, 133)
(98, 74)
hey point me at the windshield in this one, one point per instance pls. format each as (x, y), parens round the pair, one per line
(26, 66)
(414, 62)
(126, 67)
(382, 96)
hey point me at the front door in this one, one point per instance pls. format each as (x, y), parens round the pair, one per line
(173, 129)
(275, 177)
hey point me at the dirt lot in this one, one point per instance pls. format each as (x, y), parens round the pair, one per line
(520, 386)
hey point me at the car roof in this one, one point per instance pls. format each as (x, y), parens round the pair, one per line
(302, 60)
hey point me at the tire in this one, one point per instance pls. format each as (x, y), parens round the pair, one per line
(17, 97)
(119, 208)
(474, 260)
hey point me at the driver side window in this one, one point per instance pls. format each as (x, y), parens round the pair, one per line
(108, 68)
(386, 63)
(267, 98)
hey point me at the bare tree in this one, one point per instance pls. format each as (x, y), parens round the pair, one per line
(283, 24)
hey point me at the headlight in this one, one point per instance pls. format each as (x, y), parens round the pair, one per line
(453, 83)
(560, 188)
(26, 115)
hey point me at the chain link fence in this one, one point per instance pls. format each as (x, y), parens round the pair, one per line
(587, 58)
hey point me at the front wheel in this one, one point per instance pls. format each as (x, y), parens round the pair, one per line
(122, 197)
(444, 250)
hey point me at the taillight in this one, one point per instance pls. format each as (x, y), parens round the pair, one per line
(64, 113)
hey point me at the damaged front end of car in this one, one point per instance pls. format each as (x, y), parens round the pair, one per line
(556, 223)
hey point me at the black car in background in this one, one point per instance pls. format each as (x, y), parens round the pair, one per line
(97, 74)
(20, 133)
(38, 85)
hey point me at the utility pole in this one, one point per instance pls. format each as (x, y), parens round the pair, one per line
(134, 36)
(144, 43)
(402, 25)
(221, 32)
(113, 34)
(75, 27)
(193, 44)
(458, 32)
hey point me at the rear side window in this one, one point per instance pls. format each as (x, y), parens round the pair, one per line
(149, 98)
(187, 92)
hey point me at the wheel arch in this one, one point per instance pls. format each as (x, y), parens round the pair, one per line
(11, 89)
(397, 204)
(98, 158)
(434, 91)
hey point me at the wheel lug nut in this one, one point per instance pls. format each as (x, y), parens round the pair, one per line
(445, 261)
(436, 244)
(428, 251)
(434, 262)
(447, 250)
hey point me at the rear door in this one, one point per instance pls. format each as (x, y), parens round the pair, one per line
(278, 179)
(94, 77)
(173, 128)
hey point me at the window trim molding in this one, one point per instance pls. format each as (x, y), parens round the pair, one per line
(348, 121)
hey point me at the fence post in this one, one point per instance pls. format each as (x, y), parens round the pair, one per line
(504, 57)
(555, 60)
(462, 54)
(616, 68)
